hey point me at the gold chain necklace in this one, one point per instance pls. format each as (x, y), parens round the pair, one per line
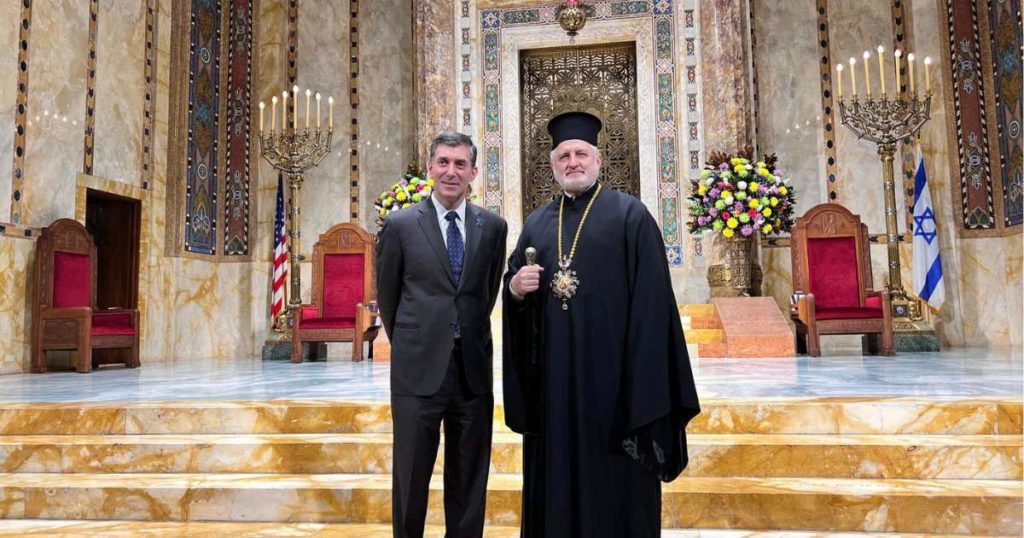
(565, 282)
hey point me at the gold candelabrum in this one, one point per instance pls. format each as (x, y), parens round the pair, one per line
(293, 149)
(886, 119)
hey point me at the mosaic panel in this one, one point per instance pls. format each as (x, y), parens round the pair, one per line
(203, 123)
(1005, 34)
(976, 198)
(90, 88)
(239, 110)
(20, 117)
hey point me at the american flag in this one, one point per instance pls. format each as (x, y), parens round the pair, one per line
(280, 253)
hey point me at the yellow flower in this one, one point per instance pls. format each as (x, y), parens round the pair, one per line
(405, 205)
(752, 186)
(767, 228)
(775, 201)
(767, 212)
(728, 232)
(402, 196)
(735, 161)
(383, 212)
(764, 172)
(726, 195)
(753, 203)
(732, 222)
(702, 190)
(430, 182)
(760, 164)
(783, 191)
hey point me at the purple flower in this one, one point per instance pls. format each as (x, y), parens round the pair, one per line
(705, 200)
(713, 212)
(746, 230)
(723, 166)
(714, 192)
(738, 207)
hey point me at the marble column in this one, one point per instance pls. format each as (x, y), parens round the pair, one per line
(435, 70)
(725, 87)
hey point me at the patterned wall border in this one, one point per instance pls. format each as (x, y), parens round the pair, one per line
(1004, 32)
(203, 128)
(20, 116)
(465, 82)
(237, 180)
(149, 108)
(293, 43)
(492, 21)
(754, 96)
(828, 116)
(964, 68)
(693, 107)
(903, 40)
(354, 103)
(90, 88)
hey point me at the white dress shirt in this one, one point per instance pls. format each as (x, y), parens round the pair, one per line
(443, 223)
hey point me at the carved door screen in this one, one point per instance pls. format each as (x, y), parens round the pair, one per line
(597, 79)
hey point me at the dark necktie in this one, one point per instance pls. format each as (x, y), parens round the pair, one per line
(456, 248)
(456, 254)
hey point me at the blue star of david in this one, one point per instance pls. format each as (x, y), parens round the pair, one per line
(919, 221)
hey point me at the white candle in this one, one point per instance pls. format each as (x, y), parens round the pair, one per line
(839, 82)
(295, 113)
(867, 74)
(317, 111)
(330, 113)
(262, 107)
(308, 94)
(273, 114)
(881, 68)
(853, 77)
(284, 110)
(910, 72)
(898, 54)
(927, 76)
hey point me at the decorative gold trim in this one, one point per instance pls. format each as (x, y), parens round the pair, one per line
(354, 105)
(90, 88)
(828, 122)
(20, 117)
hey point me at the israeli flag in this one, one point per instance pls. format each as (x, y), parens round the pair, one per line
(927, 262)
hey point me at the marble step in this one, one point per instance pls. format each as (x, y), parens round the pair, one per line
(174, 529)
(705, 336)
(827, 415)
(819, 504)
(711, 455)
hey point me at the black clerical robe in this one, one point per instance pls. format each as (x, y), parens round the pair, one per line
(602, 391)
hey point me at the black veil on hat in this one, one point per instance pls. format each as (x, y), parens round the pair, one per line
(574, 126)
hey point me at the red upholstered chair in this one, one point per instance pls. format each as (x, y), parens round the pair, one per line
(832, 281)
(64, 315)
(344, 307)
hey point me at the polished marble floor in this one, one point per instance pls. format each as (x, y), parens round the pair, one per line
(956, 373)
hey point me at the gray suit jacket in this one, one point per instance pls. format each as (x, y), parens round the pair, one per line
(420, 300)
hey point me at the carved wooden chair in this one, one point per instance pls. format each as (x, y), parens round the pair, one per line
(344, 308)
(64, 315)
(832, 281)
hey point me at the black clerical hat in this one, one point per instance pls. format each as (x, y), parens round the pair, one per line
(574, 126)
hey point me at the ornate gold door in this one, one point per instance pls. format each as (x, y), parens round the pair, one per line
(597, 79)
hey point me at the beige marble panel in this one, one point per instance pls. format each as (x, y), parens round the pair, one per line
(16, 259)
(159, 285)
(725, 75)
(853, 28)
(323, 65)
(212, 310)
(387, 110)
(10, 14)
(120, 90)
(436, 64)
(54, 148)
(789, 94)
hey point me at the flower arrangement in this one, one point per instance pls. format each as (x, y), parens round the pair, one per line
(413, 187)
(737, 196)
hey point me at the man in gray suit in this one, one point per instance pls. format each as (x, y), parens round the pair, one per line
(439, 268)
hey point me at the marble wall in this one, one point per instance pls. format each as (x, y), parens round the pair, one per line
(982, 276)
(387, 112)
